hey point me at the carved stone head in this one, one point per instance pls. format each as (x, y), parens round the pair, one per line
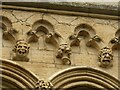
(64, 52)
(43, 85)
(105, 57)
(21, 50)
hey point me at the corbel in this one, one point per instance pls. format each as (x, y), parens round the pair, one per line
(64, 53)
(105, 57)
(20, 51)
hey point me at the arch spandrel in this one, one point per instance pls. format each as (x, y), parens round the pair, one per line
(84, 77)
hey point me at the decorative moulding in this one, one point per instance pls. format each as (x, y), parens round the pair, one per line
(43, 26)
(21, 48)
(16, 77)
(89, 77)
(85, 31)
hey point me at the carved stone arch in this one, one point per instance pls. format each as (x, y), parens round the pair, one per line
(7, 29)
(84, 77)
(85, 31)
(43, 23)
(47, 28)
(15, 76)
(86, 28)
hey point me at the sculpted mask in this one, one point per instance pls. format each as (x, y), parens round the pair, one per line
(105, 57)
(43, 85)
(64, 53)
(21, 50)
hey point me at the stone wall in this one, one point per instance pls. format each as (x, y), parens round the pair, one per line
(84, 48)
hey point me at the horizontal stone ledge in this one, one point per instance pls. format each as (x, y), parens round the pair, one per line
(96, 8)
(61, 12)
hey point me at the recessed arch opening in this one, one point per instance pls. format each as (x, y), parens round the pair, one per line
(44, 23)
(84, 78)
(15, 76)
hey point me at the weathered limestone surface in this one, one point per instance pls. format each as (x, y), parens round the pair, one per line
(42, 55)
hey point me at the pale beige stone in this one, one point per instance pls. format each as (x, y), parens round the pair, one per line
(6, 52)
(22, 15)
(32, 19)
(63, 30)
(8, 13)
(63, 19)
(50, 19)
(43, 61)
(106, 32)
(82, 20)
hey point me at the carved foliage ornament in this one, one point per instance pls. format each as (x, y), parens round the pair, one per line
(64, 53)
(21, 51)
(105, 57)
(43, 85)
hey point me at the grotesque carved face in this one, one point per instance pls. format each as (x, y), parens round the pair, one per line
(44, 85)
(105, 57)
(64, 53)
(22, 48)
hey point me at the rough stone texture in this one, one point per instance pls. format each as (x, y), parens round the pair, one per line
(43, 62)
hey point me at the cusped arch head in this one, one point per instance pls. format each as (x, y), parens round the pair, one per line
(88, 77)
(84, 30)
(15, 76)
(44, 26)
(87, 32)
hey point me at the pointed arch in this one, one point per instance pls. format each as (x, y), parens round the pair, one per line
(43, 23)
(85, 29)
(15, 76)
(45, 27)
(78, 77)
(88, 34)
